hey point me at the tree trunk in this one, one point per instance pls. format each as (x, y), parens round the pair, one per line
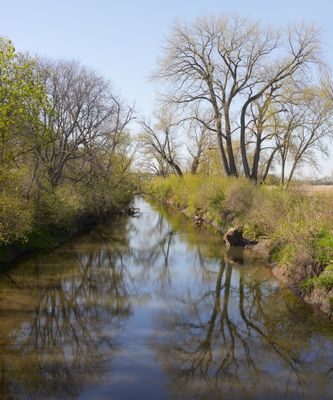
(245, 162)
(232, 163)
(256, 158)
(268, 165)
(219, 134)
(195, 164)
(222, 153)
(177, 169)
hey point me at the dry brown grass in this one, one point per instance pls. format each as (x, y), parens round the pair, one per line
(312, 189)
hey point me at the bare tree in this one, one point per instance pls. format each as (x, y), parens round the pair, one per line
(327, 84)
(199, 138)
(160, 144)
(302, 130)
(302, 51)
(83, 117)
(224, 65)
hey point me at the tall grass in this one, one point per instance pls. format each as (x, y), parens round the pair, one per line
(297, 224)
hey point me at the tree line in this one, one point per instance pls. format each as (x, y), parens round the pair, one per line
(64, 144)
(256, 99)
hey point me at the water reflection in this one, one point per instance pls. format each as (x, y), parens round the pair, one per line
(153, 308)
(54, 308)
(240, 336)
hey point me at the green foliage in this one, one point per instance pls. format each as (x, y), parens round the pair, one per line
(16, 219)
(16, 213)
(283, 254)
(325, 280)
(59, 207)
(323, 244)
(217, 197)
(21, 97)
(160, 188)
(206, 196)
(251, 231)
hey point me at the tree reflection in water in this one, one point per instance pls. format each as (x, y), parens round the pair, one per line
(153, 305)
(231, 333)
(66, 309)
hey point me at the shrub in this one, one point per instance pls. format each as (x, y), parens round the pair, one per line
(325, 280)
(207, 196)
(60, 207)
(239, 198)
(283, 254)
(160, 188)
(16, 219)
(16, 211)
(251, 231)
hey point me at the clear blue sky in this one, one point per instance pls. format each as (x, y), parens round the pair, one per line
(121, 39)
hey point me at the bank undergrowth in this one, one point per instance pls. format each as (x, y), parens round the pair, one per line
(295, 226)
(49, 216)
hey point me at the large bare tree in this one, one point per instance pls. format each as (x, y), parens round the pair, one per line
(225, 65)
(83, 123)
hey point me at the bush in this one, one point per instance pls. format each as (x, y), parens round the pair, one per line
(16, 211)
(60, 207)
(16, 219)
(206, 196)
(239, 199)
(160, 188)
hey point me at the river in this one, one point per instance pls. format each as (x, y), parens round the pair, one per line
(154, 308)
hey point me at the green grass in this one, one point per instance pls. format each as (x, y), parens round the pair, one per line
(323, 243)
(324, 280)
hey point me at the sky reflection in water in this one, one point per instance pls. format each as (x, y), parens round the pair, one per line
(152, 307)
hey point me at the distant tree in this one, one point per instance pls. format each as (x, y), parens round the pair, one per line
(302, 130)
(199, 145)
(161, 148)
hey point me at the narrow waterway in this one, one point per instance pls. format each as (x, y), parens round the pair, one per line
(153, 308)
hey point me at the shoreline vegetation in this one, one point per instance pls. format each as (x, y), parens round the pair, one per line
(65, 150)
(293, 228)
(47, 236)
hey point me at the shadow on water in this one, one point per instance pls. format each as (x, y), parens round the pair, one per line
(152, 307)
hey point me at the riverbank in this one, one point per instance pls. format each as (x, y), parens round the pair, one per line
(47, 236)
(293, 228)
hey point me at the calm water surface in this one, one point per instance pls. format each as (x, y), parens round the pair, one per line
(153, 308)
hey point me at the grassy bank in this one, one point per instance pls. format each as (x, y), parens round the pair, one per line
(295, 226)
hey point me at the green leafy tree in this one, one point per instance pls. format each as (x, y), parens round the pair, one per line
(21, 97)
